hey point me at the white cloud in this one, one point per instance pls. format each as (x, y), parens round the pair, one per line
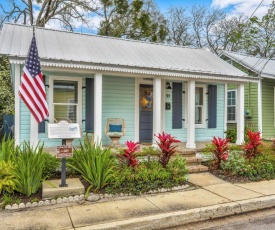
(246, 7)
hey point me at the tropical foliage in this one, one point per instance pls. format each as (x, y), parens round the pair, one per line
(220, 150)
(165, 143)
(130, 154)
(95, 165)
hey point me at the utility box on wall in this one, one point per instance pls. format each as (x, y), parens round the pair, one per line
(248, 112)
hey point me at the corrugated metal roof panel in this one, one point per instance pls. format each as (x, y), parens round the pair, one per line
(76, 47)
(262, 66)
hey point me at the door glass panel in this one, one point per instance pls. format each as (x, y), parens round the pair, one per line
(146, 99)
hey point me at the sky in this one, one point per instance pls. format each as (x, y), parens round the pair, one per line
(232, 7)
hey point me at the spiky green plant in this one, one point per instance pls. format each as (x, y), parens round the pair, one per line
(94, 164)
(29, 168)
(7, 149)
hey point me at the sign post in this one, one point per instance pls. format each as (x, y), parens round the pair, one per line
(65, 131)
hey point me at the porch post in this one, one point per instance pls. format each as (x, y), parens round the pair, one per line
(98, 108)
(240, 114)
(191, 115)
(17, 105)
(157, 122)
(260, 107)
(225, 110)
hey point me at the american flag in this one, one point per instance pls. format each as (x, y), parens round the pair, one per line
(32, 89)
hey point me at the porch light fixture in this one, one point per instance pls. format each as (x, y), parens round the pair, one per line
(168, 86)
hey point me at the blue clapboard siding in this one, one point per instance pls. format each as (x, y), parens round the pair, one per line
(180, 133)
(201, 134)
(119, 102)
(43, 137)
(205, 134)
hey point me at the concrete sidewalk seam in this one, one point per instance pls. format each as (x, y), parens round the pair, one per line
(178, 218)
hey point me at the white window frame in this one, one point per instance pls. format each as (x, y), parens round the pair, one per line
(231, 121)
(203, 124)
(79, 96)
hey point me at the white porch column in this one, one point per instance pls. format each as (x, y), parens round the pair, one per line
(17, 105)
(240, 114)
(157, 122)
(33, 131)
(225, 110)
(260, 107)
(98, 108)
(191, 115)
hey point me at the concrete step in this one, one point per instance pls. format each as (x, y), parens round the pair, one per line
(186, 153)
(193, 161)
(197, 168)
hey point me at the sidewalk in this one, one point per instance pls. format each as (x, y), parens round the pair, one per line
(211, 198)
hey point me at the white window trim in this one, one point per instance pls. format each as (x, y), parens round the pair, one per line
(79, 96)
(231, 121)
(203, 124)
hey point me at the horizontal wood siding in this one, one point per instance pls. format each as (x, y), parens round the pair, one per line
(205, 134)
(43, 137)
(180, 134)
(251, 102)
(119, 102)
(268, 108)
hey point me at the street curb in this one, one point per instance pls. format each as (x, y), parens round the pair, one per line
(179, 218)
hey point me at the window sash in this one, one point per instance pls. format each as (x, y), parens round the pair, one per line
(231, 105)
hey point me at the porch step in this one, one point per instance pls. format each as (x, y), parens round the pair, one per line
(193, 161)
(197, 168)
(186, 153)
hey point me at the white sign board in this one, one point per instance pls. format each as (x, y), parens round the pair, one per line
(64, 130)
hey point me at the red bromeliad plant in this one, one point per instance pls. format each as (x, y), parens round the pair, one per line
(251, 147)
(221, 150)
(129, 155)
(165, 142)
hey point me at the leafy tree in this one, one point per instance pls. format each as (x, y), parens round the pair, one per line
(6, 94)
(41, 12)
(261, 38)
(134, 19)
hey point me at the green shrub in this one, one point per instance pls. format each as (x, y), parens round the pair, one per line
(29, 167)
(95, 165)
(153, 151)
(234, 164)
(7, 179)
(50, 166)
(231, 134)
(148, 176)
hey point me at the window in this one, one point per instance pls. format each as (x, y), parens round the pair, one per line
(200, 103)
(231, 106)
(199, 106)
(65, 99)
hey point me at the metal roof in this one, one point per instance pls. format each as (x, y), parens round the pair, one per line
(76, 50)
(261, 66)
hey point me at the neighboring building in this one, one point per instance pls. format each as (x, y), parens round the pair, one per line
(259, 97)
(154, 87)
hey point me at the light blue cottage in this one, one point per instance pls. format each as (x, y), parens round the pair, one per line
(153, 87)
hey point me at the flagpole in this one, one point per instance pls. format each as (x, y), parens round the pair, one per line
(33, 122)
